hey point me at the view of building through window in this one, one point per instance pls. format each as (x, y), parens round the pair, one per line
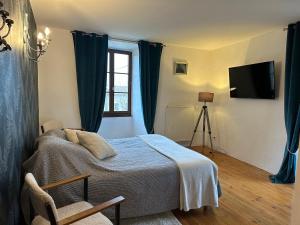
(118, 88)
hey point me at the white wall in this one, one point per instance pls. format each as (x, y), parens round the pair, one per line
(247, 129)
(58, 87)
(179, 92)
(250, 130)
(58, 96)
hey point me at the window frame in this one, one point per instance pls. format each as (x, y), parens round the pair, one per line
(111, 72)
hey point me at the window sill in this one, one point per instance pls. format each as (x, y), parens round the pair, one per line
(109, 115)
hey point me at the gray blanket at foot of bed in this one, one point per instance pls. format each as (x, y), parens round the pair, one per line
(148, 180)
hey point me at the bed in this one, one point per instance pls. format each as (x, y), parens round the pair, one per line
(146, 176)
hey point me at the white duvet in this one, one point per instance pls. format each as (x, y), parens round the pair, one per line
(198, 174)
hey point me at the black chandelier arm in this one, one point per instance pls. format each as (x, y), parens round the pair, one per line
(35, 58)
(39, 48)
(36, 50)
(4, 13)
(39, 51)
(3, 23)
(9, 23)
(4, 49)
(6, 45)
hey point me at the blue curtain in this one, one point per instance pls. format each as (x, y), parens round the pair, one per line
(91, 67)
(150, 54)
(287, 171)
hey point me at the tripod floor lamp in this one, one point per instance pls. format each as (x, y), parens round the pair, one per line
(204, 97)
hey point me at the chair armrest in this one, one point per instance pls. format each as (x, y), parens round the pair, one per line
(65, 181)
(91, 211)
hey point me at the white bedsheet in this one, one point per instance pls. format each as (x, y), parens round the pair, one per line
(199, 175)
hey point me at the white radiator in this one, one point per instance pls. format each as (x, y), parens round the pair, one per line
(180, 122)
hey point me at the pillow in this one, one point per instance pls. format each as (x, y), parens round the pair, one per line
(95, 144)
(71, 135)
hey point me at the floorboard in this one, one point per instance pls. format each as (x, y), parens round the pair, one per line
(248, 197)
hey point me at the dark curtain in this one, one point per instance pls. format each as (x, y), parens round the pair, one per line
(287, 171)
(91, 66)
(150, 54)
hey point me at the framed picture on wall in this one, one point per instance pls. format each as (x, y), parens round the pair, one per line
(180, 68)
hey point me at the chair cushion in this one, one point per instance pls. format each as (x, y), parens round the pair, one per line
(69, 210)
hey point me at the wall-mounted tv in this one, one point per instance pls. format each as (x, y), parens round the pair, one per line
(253, 81)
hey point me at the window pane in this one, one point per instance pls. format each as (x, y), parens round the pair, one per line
(121, 63)
(108, 62)
(107, 83)
(106, 104)
(121, 83)
(121, 102)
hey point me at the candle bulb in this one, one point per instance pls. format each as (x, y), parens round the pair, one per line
(40, 38)
(47, 31)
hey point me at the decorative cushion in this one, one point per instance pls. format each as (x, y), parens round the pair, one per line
(71, 135)
(39, 198)
(69, 210)
(95, 144)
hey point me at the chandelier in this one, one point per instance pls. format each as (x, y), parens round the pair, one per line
(43, 41)
(6, 28)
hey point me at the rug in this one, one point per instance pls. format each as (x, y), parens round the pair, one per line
(157, 219)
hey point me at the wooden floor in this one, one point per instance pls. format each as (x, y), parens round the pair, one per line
(248, 197)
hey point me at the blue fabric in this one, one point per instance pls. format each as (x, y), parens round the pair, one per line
(91, 66)
(150, 55)
(287, 171)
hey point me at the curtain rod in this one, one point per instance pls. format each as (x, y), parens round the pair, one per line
(115, 38)
(126, 40)
(287, 28)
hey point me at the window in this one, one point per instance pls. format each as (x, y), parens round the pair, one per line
(118, 86)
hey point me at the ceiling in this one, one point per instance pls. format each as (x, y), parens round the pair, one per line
(203, 24)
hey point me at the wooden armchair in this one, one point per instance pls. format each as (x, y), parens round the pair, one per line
(44, 212)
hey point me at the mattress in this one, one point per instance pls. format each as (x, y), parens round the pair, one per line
(148, 180)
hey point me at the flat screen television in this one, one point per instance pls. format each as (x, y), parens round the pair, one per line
(253, 81)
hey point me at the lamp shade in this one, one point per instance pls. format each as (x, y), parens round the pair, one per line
(206, 97)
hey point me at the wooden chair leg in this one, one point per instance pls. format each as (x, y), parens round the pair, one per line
(85, 189)
(117, 214)
(51, 216)
(31, 211)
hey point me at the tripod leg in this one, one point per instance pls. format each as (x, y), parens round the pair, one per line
(209, 132)
(203, 134)
(196, 127)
